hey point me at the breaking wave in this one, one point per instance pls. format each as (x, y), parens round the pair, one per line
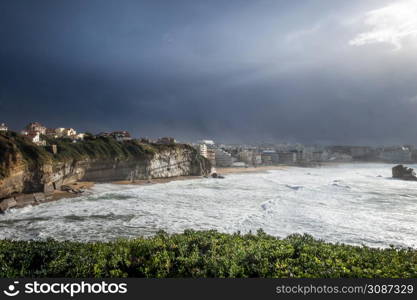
(352, 203)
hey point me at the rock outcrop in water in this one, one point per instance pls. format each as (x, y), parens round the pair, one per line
(404, 173)
(29, 173)
(218, 176)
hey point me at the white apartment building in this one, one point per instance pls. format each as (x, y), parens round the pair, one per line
(223, 158)
(3, 127)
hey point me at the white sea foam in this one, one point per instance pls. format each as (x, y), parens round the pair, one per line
(355, 204)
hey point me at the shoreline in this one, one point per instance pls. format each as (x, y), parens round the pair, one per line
(155, 180)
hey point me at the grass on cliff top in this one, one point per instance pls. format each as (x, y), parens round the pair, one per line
(203, 254)
(106, 148)
(99, 148)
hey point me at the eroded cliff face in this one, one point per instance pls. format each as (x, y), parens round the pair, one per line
(26, 184)
(163, 164)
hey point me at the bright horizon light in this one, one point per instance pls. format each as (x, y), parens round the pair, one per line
(392, 24)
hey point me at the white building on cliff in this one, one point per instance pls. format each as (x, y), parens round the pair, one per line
(3, 127)
(35, 127)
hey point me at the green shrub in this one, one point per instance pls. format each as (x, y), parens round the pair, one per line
(203, 254)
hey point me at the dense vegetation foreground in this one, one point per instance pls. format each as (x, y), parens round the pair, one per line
(203, 254)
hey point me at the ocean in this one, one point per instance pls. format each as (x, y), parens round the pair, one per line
(358, 204)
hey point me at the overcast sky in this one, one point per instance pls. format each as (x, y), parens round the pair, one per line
(312, 71)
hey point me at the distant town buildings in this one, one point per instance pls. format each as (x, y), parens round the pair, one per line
(247, 157)
(121, 136)
(34, 131)
(3, 127)
(239, 164)
(396, 154)
(316, 156)
(144, 140)
(35, 127)
(58, 131)
(166, 140)
(62, 132)
(50, 132)
(223, 158)
(296, 154)
(69, 132)
(269, 157)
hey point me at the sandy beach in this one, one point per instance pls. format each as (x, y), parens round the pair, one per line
(156, 180)
(221, 171)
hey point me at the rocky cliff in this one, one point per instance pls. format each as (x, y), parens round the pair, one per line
(29, 173)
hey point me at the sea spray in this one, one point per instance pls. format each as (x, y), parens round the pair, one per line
(342, 203)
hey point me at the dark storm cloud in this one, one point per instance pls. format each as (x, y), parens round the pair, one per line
(231, 70)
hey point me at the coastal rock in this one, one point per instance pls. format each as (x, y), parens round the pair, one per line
(404, 173)
(72, 190)
(215, 175)
(7, 203)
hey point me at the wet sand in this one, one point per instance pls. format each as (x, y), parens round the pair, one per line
(225, 171)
